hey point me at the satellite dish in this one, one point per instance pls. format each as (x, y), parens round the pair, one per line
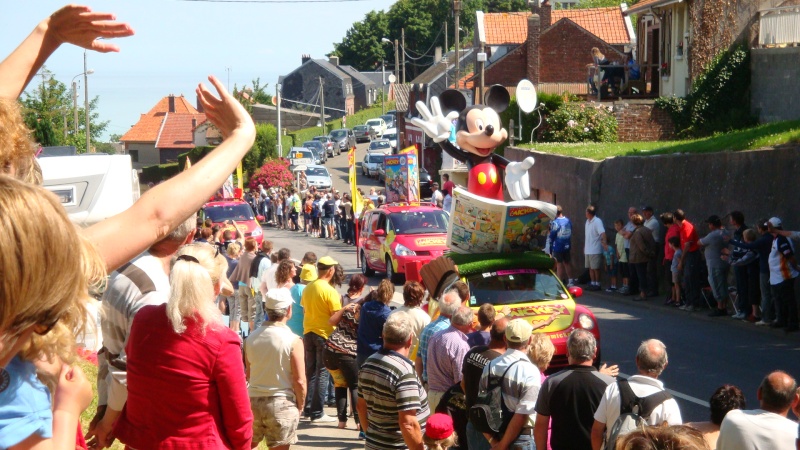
(526, 96)
(392, 78)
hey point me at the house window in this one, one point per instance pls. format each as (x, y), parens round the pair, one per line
(134, 155)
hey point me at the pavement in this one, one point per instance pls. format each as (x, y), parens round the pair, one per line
(327, 435)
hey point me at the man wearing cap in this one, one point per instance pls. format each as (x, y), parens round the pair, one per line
(520, 387)
(277, 379)
(652, 266)
(712, 244)
(392, 404)
(319, 301)
(782, 272)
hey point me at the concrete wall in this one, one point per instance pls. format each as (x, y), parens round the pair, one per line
(148, 155)
(775, 83)
(760, 183)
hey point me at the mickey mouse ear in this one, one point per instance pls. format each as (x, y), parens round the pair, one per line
(452, 100)
(497, 98)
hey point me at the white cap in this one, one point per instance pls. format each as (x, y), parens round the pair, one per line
(279, 299)
(775, 222)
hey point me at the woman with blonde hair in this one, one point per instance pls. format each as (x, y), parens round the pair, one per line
(182, 355)
(413, 295)
(42, 307)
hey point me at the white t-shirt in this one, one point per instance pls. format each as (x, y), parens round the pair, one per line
(608, 410)
(654, 226)
(756, 429)
(419, 320)
(594, 241)
(268, 280)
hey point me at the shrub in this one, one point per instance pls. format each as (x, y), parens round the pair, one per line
(547, 103)
(274, 173)
(581, 122)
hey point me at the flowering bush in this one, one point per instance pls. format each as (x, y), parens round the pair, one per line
(581, 122)
(274, 173)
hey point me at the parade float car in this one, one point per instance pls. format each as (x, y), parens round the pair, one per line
(523, 282)
(228, 212)
(395, 235)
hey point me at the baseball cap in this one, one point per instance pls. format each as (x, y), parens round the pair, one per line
(327, 261)
(439, 426)
(648, 208)
(308, 273)
(775, 222)
(714, 220)
(518, 330)
(279, 299)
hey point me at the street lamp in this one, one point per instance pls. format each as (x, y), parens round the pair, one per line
(75, 96)
(396, 58)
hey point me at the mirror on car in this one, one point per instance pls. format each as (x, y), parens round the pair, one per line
(379, 233)
(576, 291)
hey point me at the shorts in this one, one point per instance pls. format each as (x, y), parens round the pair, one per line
(676, 277)
(327, 221)
(594, 262)
(614, 269)
(247, 303)
(274, 419)
(562, 257)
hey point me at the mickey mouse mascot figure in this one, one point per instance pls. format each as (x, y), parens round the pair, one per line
(479, 132)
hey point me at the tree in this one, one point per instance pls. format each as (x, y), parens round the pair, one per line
(249, 96)
(362, 47)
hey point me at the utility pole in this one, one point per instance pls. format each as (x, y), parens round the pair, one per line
(86, 104)
(278, 104)
(75, 104)
(457, 12)
(446, 50)
(383, 87)
(403, 47)
(322, 104)
(396, 63)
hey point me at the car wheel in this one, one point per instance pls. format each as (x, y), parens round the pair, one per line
(390, 274)
(365, 267)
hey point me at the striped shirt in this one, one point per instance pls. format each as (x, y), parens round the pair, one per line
(446, 353)
(388, 384)
(434, 327)
(520, 386)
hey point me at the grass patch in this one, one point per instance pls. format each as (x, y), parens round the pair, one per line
(767, 135)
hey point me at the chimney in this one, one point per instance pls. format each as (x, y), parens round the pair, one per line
(171, 103)
(194, 123)
(334, 60)
(532, 48)
(545, 15)
(305, 58)
(199, 105)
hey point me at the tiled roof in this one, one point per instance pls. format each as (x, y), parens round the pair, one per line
(647, 4)
(149, 125)
(466, 82)
(512, 28)
(401, 96)
(177, 131)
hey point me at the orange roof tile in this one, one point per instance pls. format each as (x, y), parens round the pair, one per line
(177, 131)
(466, 82)
(512, 28)
(149, 125)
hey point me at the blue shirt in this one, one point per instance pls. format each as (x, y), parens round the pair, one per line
(427, 333)
(370, 327)
(295, 323)
(560, 235)
(24, 405)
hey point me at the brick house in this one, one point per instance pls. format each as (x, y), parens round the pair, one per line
(303, 85)
(163, 133)
(551, 48)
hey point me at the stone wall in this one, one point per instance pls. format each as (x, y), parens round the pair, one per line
(775, 83)
(640, 120)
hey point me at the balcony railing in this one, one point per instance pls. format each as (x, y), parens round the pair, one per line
(779, 26)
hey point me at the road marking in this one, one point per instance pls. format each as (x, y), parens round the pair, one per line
(688, 398)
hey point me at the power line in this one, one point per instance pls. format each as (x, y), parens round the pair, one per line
(274, 1)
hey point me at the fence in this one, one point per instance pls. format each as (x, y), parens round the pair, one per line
(779, 26)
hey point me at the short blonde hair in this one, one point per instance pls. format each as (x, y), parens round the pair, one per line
(192, 286)
(440, 444)
(541, 351)
(233, 249)
(17, 149)
(48, 270)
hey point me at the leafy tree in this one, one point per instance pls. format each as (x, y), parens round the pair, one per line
(263, 148)
(362, 47)
(249, 96)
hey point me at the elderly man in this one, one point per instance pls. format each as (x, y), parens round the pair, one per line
(448, 305)
(651, 360)
(275, 369)
(446, 351)
(571, 396)
(392, 405)
(520, 387)
(767, 427)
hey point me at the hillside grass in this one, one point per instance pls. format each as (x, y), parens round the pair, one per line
(359, 118)
(767, 135)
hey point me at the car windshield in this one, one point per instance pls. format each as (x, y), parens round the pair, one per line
(419, 222)
(360, 128)
(317, 172)
(239, 212)
(321, 138)
(336, 134)
(387, 119)
(373, 122)
(312, 144)
(513, 286)
(375, 159)
(390, 136)
(379, 145)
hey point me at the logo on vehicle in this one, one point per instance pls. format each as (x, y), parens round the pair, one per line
(539, 310)
(429, 242)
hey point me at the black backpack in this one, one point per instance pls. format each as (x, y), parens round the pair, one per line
(489, 413)
(633, 412)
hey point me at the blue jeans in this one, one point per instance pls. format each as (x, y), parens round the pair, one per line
(523, 442)
(476, 439)
(315, 368)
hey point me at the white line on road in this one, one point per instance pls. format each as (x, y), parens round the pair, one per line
(688, 398)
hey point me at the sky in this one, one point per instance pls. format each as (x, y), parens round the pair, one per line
(179, 43)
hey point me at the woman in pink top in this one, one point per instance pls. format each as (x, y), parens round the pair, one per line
(186, 382)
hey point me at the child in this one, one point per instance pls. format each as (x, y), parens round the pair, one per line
(675, 244)
(622, 257)
(439, 432)
(612, 267)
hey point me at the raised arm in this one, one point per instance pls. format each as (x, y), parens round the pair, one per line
(167, 205)
(71, 24)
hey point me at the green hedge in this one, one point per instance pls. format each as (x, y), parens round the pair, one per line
(306, 134)
(159, 173)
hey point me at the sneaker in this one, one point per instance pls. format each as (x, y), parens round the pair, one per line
(611, 289)
(324, 419)
(361, 435)
(717, 313)
(624, 290)
(690, 308)
(682, 307)
(752, 319)
(761, 323)
(739, 316)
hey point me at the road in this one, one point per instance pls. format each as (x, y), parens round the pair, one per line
(704, 353)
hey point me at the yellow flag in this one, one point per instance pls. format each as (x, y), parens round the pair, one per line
(240, 183)
(358, 202)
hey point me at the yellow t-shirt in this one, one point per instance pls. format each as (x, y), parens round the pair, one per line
(319, 301)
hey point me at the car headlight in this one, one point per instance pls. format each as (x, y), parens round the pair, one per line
(257, 232)
(402, 250)
(586, 321)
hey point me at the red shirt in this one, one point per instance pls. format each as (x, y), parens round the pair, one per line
(673, 230)
(184, 390)
(688, 233)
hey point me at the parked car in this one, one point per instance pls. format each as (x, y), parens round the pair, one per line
(425, 183)
(318, 149)
(318, 176)
(393, 235)
(391, 136)
(344, 139)
(380, 145)
(327, 142)
(224, 213)
(389, 119)
(369, 167)
(301, 155)
(378, 125)
(363, 133)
